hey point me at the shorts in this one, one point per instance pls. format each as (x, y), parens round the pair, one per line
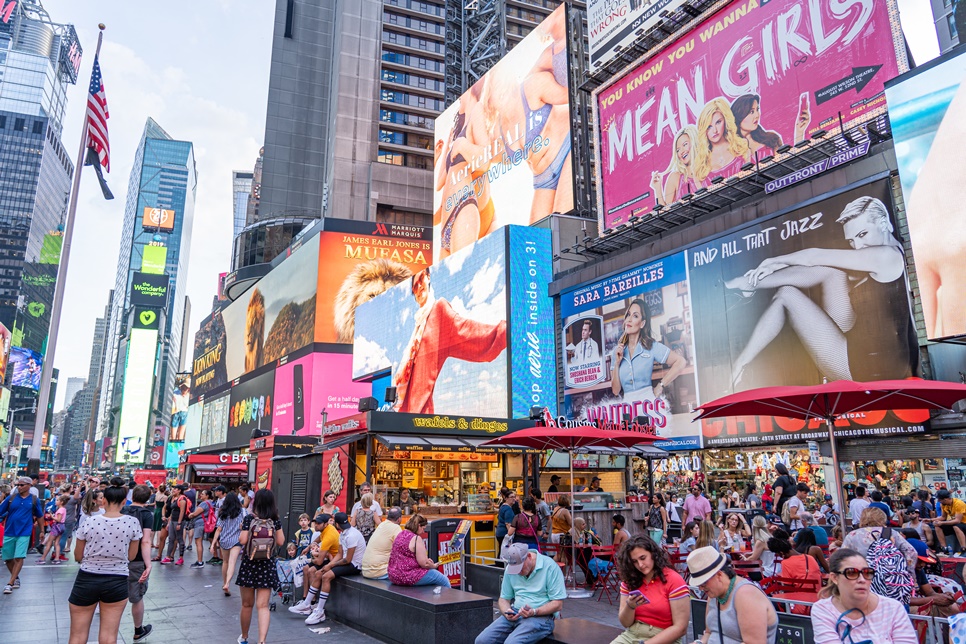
(179, 418)
(135, 589)
(346, 570)
(90, 589)
(15, 547)
(947, 530)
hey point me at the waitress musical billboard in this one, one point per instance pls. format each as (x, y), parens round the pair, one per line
(748, 80)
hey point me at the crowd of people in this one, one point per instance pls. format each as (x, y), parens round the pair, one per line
(871, 568)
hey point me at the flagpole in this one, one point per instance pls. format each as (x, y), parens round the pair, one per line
(34, 451)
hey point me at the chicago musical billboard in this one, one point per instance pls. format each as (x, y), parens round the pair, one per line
(746, 81)
(927, 108)
(503, 149)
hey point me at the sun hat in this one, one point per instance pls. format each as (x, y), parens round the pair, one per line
(704, 563)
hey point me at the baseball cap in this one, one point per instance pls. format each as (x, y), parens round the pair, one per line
(323, 519)
(341, 520)
(828, 497)
(24, 480)
(515, 554)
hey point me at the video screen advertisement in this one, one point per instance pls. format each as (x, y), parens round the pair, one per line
(616, 23)
(817, 292)
(25, 368)
(208, 369)
(138, 391)
(503, 149)
(4, 353)
(746, 81)
(250, 407)
(362, 260)
(214, 419)
(459, 337)
(927, 108)
(313, 383)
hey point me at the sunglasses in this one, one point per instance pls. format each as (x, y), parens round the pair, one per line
(844, 629)
(853, 573)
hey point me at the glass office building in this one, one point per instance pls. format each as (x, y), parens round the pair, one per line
(163, 177)
(38, 60)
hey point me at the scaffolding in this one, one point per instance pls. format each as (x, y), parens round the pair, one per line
(475, 41)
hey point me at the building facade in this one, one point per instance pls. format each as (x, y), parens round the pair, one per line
(38, 60)
(944, 15)
(163, 178)
(241, 191)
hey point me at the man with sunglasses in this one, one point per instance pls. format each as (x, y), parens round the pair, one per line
(19, 512)
(849, 612)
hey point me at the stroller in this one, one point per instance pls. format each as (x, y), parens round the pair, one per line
(286, 583)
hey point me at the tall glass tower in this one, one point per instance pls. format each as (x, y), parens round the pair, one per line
(38, 59)
(163, 179)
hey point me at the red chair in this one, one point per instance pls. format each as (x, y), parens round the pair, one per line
(560, 554)
(608, 581)
(792, 588)
(748, 568)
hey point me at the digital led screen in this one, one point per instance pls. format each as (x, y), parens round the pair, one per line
(154, 259)
(25, 367)
(158, 219)
(311, 384)
(137, 395)
(443, 333)
(251, 408)
(150, 290)
(927, 108)
(503, 149)
(214, 419)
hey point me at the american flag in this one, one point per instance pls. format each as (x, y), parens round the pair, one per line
(97, 116)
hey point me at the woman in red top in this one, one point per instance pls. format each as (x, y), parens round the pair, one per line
(655, 604)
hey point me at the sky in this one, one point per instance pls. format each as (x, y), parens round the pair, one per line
(201, 71)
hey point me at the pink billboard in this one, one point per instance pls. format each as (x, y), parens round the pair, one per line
(748, 80)
(311, 384)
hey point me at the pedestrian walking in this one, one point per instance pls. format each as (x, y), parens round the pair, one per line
(176, 525)
(105, 545)
(201, 517)
(226, 537)
(20, 511)
(139, 568)
(261, 532)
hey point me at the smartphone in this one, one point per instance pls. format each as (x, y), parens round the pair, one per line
(803, 101)
(638, 594)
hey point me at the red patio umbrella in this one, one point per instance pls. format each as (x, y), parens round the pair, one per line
(833, 399)
(571, 439)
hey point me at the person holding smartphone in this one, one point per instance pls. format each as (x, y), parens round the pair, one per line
(655, 605)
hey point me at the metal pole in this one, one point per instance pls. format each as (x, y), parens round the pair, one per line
(58, 303)
(575, 593)
(839, 494)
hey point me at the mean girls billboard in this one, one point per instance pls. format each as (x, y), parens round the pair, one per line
(817, 292)
(751, 78)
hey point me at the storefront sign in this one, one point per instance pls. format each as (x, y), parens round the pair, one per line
(814, 455)
(808, 172)
(772, 72)
(232, 457)
(398, 423)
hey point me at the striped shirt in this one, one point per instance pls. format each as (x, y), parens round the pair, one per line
(230, 529)
(657, 612)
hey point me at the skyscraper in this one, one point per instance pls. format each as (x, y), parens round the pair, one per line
(947, 29)
(147, 317)
(38, 59)
(70, 390)
(241, 190)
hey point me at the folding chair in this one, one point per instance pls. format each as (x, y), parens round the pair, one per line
(608, 580)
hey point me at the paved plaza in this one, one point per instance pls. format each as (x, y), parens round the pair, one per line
(184, 606)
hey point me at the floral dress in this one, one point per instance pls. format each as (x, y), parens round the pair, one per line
(261, 572)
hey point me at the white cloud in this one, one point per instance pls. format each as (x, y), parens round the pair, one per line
(370, 356)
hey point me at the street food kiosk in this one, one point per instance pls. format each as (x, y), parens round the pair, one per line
(439, 459)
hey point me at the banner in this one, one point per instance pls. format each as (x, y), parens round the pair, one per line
(618, 23)
(208, 369)
(927, 108)
(622, 336)
(819, 292)
(748, 80)
(503, 149)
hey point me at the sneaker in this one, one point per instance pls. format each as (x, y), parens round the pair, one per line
(166, 561)
(56, 562)
(197, 564)
(16, 583)
(179, 562)
(41, 562)
(242, 640)
(145, 631)
(63, 558)
(317, 617)
(304, 607)
(213, 561)
(8, 590)
(188, 548)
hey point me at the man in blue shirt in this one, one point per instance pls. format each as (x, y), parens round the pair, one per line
(877, 503)
(19, 512)
(532, 594)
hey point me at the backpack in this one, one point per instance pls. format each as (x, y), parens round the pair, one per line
(261, 540)
(654, 518)
(786, 514)
(366, 523)
(211, 521)
(892, 578)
